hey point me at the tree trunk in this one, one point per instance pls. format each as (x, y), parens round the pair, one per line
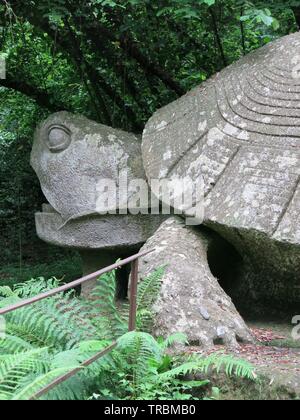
(296, 11)
(218, 37)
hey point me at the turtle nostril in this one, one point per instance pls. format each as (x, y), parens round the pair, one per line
(59, 139)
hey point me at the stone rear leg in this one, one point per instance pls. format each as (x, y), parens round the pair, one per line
(191, 300)
(93, 261)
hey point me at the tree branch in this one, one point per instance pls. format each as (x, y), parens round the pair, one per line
(243, 35)
(131, 49)
(217, 36)
(42, 97)
(296, 11)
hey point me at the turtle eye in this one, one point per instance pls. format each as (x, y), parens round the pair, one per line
(59, 139)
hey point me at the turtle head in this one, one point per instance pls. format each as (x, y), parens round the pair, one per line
(71, 154)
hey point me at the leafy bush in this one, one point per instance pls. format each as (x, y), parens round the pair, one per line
(54, 336)
(51, 337)
(66, 269)
(45, 340)
(24, 373)
(142, 369)
(111, 317)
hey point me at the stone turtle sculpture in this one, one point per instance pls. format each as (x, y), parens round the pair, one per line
(240, 133)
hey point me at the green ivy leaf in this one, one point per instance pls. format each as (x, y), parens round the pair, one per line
(209, 2)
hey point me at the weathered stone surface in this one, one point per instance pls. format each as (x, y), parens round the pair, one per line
(191, 300)
(71, 154)
(240, 131)
(106, 232)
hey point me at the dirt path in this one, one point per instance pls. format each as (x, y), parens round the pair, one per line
(276, 357)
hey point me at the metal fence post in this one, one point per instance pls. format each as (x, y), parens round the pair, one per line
(133, 295)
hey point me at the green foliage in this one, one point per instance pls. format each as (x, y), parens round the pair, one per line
(66, 269)
(218, 362)
(54, 336)
(260, 16)
(59, 322)
(19, 191)
(111, 317)
(44, 341)
(23, 374)
(148, 292)
(141, 367)
(144, 369)
(106, 315)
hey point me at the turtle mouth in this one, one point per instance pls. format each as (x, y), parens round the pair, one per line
(47, 208)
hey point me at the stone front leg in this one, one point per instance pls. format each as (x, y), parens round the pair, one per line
(191, 300)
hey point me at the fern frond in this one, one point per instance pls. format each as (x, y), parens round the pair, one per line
(148, 292)
(140, 350)
(229, 364)
(58, 322)
(105, 312)
(40, 383)
(10, 300)
(13, 368)
(34, 287)
(149, 288)
(218, 362)
(12, 344)
(6, 291)
(184, 369)
(113, 320)
(177, 338)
